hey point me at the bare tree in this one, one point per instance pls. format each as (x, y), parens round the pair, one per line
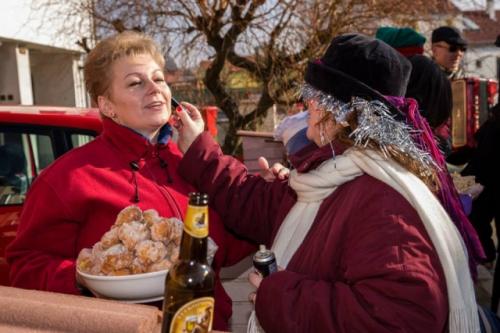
(272, 40)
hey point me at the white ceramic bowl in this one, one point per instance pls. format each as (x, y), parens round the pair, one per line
(137, 287)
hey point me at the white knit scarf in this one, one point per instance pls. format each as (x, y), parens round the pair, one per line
(313, 187)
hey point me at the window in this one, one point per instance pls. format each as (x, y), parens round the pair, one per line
(22, 157)
(25, 151)
(79, 140)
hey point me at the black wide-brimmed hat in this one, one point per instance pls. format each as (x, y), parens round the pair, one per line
(356, 65)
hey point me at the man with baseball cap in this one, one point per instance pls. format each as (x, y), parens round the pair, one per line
(448, 48)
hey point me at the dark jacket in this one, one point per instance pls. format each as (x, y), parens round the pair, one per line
(485, 160)
(366, 265)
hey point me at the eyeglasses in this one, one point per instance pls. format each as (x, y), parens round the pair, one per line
(453, 48)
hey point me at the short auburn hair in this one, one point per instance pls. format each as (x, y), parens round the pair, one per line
(97, 69)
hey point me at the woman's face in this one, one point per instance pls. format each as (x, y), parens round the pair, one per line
(316, 124)
(138, 96)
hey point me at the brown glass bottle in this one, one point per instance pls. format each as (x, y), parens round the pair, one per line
(189, 287)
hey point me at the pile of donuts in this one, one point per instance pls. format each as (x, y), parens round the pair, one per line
(138, 242)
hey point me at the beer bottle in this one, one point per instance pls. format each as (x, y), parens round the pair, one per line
(189, 287)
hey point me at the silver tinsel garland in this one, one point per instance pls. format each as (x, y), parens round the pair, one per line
(375, 122)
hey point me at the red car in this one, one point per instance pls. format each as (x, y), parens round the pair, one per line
(31, 138)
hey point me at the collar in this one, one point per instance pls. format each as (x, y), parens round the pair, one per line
(133, 143)
(311, 156)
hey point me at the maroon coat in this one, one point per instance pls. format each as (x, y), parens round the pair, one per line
(366, 265)
(76, 199)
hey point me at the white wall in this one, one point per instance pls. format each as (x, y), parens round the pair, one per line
(474, 4)
(482, 61)
(24, 75)
(8, 75)
(53, 82)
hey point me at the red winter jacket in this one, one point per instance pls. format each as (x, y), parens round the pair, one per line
(366, 265)
(76, 200)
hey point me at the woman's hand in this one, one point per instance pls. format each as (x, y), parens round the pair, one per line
(255, 279)
(270, 174)
(474, 190)
(189, 124)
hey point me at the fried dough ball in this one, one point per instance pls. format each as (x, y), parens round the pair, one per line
(138, 266)
(132, 233)
(161, 230)
(116, 258)
(173, 251)
(84, 261)
(149, 251)
(151, 216)
(97, 258)
(110, 238)
(175, 231)
(120, 272)
(128, 214)
(160, 265)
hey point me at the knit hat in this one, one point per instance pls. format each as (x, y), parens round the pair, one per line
(406, 40)
(292, 132)
(449, 35)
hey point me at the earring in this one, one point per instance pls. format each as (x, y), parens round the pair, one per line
(322, 134)
(323, 140)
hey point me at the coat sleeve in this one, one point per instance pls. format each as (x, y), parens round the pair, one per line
(246, 203)
(389, 280)
(42, 256)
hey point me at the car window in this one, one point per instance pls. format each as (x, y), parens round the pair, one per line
(25, 151)
(43, 152)
(22, 156)
(79, 140)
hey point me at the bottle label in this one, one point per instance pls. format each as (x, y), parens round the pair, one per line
(196, 221)
(195, 316)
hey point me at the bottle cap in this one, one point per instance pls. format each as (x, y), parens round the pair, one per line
(198, 199)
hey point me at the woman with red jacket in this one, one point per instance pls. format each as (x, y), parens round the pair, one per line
(134, 161)
(364, 243)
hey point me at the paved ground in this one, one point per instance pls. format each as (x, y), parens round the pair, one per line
(484, 286)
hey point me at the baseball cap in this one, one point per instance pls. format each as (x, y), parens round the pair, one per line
(449, 35)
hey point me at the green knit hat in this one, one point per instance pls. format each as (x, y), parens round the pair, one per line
(400, 37)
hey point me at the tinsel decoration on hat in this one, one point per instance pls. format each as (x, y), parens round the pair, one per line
(375, 122)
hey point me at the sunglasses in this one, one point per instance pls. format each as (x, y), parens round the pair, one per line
(453, 48)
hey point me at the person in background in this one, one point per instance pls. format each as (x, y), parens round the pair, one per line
(430, 87)
(134, 161)
(448, 49)
(405, 40)
(431, 90)
(484, 165)
(292, 131)
(364, 243)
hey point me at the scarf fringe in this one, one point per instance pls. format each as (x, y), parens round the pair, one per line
(459, 321)
(253, 325)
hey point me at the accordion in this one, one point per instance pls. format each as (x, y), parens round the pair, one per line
(472, 98)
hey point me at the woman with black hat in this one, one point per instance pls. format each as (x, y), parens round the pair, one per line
(365, 245)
